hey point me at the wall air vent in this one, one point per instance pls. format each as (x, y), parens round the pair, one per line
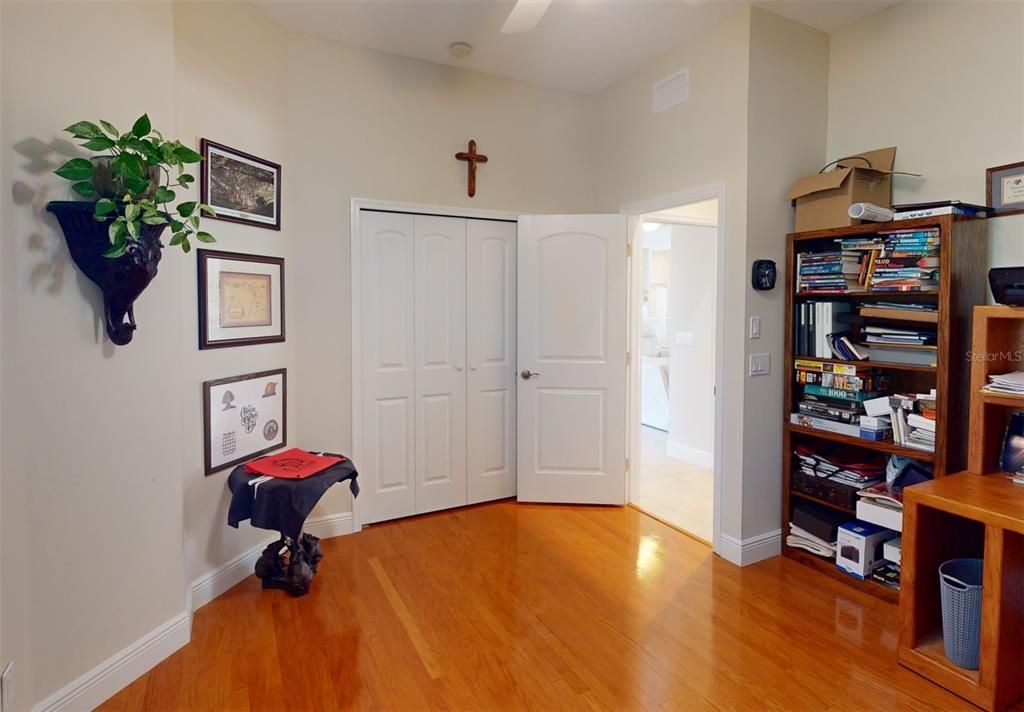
(670, 91)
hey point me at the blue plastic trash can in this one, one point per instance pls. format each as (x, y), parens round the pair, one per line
(960, 584)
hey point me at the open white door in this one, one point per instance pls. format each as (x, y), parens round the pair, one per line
(572, 359)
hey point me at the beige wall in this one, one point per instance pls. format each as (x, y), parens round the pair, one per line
(692, 309)
(92, 527)
(106, 483)
(641, 156)
(952, 78)
(786, 126)
(233, 95)
(370, 125)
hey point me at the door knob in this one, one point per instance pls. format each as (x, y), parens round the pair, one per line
(458, 367)
(527, 374)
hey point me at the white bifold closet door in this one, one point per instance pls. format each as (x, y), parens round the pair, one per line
(491, 340)
(439, 340)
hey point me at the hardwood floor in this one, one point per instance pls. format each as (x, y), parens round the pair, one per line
(509, 606)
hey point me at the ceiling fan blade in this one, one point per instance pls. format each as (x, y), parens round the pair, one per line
(524, 16)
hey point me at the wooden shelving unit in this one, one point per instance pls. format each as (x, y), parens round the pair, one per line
(963, 267)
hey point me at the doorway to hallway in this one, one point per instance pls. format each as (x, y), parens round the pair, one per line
(676, 315)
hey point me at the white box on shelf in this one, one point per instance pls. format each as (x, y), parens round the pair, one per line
(892, 550)
(879, 514)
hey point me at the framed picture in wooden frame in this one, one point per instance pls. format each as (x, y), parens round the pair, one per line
(240, 187)
(244, 417)
(1004, 188)
(241, 299)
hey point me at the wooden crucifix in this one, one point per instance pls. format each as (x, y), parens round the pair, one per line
(472, 158)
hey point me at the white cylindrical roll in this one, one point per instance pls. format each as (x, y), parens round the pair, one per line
(870, 211)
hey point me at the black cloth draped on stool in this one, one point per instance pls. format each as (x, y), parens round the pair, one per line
(282, 505)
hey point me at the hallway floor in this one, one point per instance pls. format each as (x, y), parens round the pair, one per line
(674, 490)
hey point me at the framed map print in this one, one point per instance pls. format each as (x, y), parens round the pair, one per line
(243, 417)
(240, 187)
(241, 299)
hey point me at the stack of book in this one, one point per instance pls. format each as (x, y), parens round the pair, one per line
(913, 346)
(909, 311)
(1009, 383)
(827, 272)
(908, 261)
(913, 420)
(843, 464)
(834, 393)
(915, 211)
(802, 539)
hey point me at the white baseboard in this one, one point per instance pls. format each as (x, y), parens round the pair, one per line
(108, 678)
(700, 458)
(330, 526)
(99, 684)
(751, 550)
(228, 575)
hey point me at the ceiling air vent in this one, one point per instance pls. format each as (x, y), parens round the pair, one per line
(670, 91)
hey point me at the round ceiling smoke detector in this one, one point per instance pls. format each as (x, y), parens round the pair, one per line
(460, 50)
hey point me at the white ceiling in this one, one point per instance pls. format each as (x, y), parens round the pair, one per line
(579, 45)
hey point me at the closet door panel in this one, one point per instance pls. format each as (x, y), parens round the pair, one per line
(491, 345)
(386, 464)
(440, 359)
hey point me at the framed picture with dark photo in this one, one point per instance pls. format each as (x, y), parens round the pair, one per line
(241, 299)
(240, 187)
(244, 417)
(1004, 188)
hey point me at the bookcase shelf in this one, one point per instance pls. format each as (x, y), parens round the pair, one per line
(822, 502)
(886, 446)
(872, 364)
(962, 285)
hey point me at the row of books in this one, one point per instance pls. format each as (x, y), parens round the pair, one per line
(889, 261)
(827, 330)
(834, 394)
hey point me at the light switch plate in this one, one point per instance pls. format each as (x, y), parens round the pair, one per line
(685, 338)
(755, 327)
(760, 364)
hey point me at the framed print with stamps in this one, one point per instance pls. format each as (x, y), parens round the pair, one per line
(241, 299)
(244, 417)
(1004, 189)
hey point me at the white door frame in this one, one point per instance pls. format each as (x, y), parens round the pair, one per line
(355, 300)
(635, 211)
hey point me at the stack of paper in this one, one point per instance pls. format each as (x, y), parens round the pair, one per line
(802, 539)
(1012, 383)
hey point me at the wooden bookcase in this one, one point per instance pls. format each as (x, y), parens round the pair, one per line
(978, 514)
(963, 266)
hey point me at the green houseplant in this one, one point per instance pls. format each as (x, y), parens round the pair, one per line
(134, 183)
(115, 240)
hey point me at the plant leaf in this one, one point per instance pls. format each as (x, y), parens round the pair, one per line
(116, 250)
(154, 220)
(109, 128)
(195, 221)
(137, 185)
(186, 178)
(205, 237)
(185, 246)
(131, 212)
(163, 195)
(85, 189)
(187, 155)
(116, 230)
(76, 169)
(84, 129)
(142, 126)
(177, 238)
(133, 228)
(100, 143)
(207, 209)
(127, 165)
(104, 206)
(177, 225)
(186, 209)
